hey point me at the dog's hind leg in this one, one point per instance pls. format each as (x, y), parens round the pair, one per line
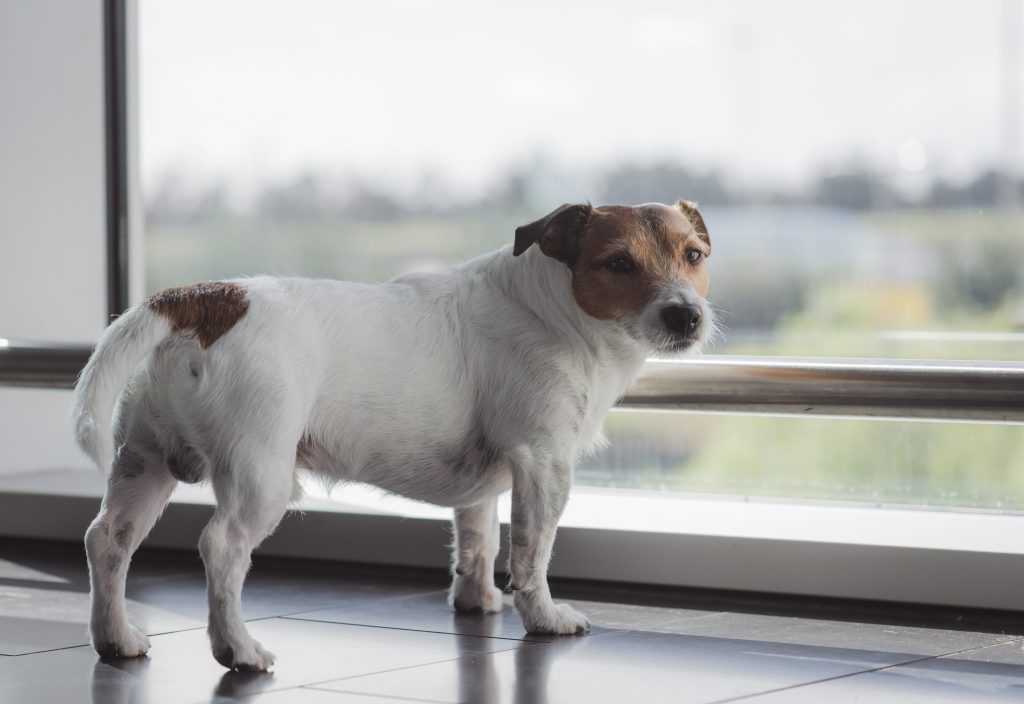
(138, 489)
(252, 495)
(476, 546)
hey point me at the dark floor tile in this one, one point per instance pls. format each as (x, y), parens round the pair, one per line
(624, 666)
(990, 674)
(44, 593)
(654, 654)
(180, 668)
(431, 612)
(425, 612)
(63, 567)
(33, 619)
(275, 592)
(20, 635)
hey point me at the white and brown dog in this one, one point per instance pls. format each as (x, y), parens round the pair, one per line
(449, 387)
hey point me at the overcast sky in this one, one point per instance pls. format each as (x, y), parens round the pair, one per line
(255, 89)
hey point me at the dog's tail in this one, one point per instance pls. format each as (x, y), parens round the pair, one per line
(121, 347)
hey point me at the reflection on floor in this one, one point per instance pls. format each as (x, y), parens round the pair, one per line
(350, 634)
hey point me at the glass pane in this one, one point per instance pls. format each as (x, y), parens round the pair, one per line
(935, 465)
(857, 164)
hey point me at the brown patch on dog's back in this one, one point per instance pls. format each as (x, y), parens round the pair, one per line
(206, 310)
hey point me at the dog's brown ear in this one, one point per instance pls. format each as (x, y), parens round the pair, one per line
(557, 233)
(689, 209)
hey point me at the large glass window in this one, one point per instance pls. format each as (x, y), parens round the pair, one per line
(857, 165)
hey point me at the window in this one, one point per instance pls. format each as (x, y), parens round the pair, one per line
(857, 165)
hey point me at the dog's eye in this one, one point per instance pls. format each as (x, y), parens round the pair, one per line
(694, 256)
(623, 265)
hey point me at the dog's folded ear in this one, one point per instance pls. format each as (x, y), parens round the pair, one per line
(689, 209)
(557, 233)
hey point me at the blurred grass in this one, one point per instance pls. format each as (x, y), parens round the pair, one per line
(873, 461)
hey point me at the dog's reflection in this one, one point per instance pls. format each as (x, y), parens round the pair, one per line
(479, 680)
(124, 681)
(119, 680)
(235, 685)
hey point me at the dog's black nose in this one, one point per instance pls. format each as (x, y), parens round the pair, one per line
(681, 319)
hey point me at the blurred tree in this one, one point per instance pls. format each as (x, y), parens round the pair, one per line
(983, 191)
(859, 189)
(664, 183)
(301, 197)
(173, 199)
(979, 274)
(756, 298)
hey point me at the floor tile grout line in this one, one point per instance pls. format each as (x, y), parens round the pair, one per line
(419, 630)
(525, 643)
(863, 672)
(290, 617)
(588, 635)
(683, 620)
(291, 614)
(318, 684)
(821, 681)
(328, 608)
(1013, 639)
(89, 643)
(377, 696)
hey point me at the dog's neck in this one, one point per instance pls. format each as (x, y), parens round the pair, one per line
(544, 286)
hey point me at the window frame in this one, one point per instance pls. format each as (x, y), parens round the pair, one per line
(867, 562)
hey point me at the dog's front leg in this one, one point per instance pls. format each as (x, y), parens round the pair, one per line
(477, 539)
(538, 499)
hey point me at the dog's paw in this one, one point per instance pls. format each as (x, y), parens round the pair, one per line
(560, 619)
(470, 597)
(132, 643)
(244, 657)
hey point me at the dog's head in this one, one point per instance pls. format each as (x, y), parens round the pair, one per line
(643, 266)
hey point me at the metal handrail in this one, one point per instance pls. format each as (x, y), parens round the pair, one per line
(41, 364)
(831, 386)
(806, 386)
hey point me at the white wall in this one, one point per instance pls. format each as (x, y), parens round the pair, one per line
(52, 206)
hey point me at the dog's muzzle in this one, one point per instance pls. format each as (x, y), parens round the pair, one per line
(682, 320)
(683, 323)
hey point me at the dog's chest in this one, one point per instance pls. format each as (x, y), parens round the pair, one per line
(603, 388)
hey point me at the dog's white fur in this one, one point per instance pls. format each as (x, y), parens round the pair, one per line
(449, 387)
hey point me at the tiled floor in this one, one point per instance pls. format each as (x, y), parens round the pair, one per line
(343, 634)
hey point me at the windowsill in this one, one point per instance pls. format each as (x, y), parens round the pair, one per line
(971, 560)
(647, 512)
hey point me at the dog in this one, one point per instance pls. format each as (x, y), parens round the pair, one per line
(449, 387)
